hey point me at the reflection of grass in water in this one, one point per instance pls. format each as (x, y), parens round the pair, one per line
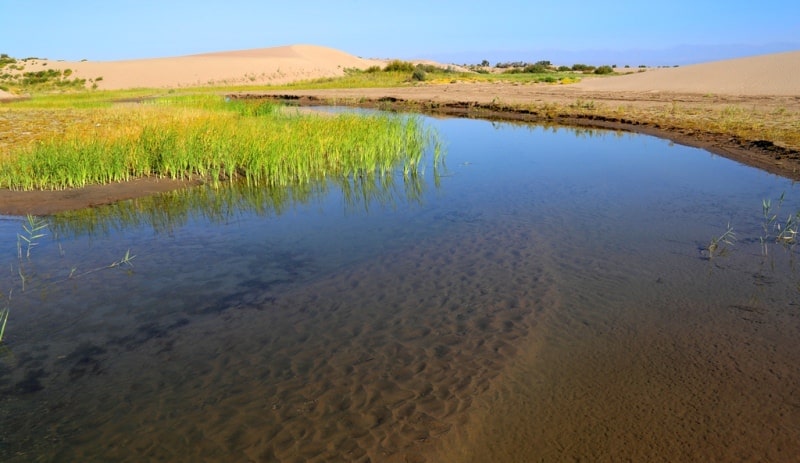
(204, 136)
(219, 203)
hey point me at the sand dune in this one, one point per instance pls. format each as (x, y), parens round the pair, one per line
(774, 74)
(275, 65)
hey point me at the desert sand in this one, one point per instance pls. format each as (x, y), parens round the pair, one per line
(765, 75)
(275, 65)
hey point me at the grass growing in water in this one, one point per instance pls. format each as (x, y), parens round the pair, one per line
(208, 137)
(25, 275)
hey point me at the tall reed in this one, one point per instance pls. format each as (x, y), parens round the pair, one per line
(209, 138)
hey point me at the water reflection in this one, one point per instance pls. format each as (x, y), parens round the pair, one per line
(220, 203)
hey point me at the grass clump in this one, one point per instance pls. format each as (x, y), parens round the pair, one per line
(213, 139)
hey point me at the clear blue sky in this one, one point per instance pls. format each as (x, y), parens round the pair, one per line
(653, 32)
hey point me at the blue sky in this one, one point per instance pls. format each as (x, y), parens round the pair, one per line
(565, 32)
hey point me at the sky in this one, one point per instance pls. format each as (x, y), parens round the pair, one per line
(565, 32)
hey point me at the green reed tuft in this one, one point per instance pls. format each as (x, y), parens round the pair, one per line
(210, 138)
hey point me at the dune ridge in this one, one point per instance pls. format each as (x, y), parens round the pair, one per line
(763, 75)
(275, 65)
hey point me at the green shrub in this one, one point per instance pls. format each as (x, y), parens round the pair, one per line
(431, 68)
(419, 74)
(399, 66)
(582, 67)
(537, 68)
(604, 70)
(373, 69)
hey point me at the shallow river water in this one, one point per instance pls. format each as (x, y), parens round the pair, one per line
(546, 295)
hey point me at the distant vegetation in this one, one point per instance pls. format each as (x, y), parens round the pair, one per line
(14, 78)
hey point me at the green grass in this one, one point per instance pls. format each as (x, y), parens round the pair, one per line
(206, 137)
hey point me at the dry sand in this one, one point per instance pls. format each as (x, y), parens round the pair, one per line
(765, 75)
(276, 65)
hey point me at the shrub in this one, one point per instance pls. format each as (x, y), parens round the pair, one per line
(419, 74)
(564, 68)
(582, 67)
(537, 68)
(400, 66)
(372, 69)
(604, 70)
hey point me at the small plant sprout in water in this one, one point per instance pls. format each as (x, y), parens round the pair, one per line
(4, 315)
(782, 232)
(718, 246)
(33, 229)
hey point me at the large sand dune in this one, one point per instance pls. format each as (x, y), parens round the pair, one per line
(276, 65)
(774, 74)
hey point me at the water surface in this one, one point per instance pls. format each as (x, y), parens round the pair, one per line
(549, 297)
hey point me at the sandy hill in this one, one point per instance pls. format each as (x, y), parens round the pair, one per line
(275, 65)
(773, 74)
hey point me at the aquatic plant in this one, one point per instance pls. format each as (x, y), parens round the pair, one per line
(4, 316)
(33, 229)
(718, 246)
(777, 231)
